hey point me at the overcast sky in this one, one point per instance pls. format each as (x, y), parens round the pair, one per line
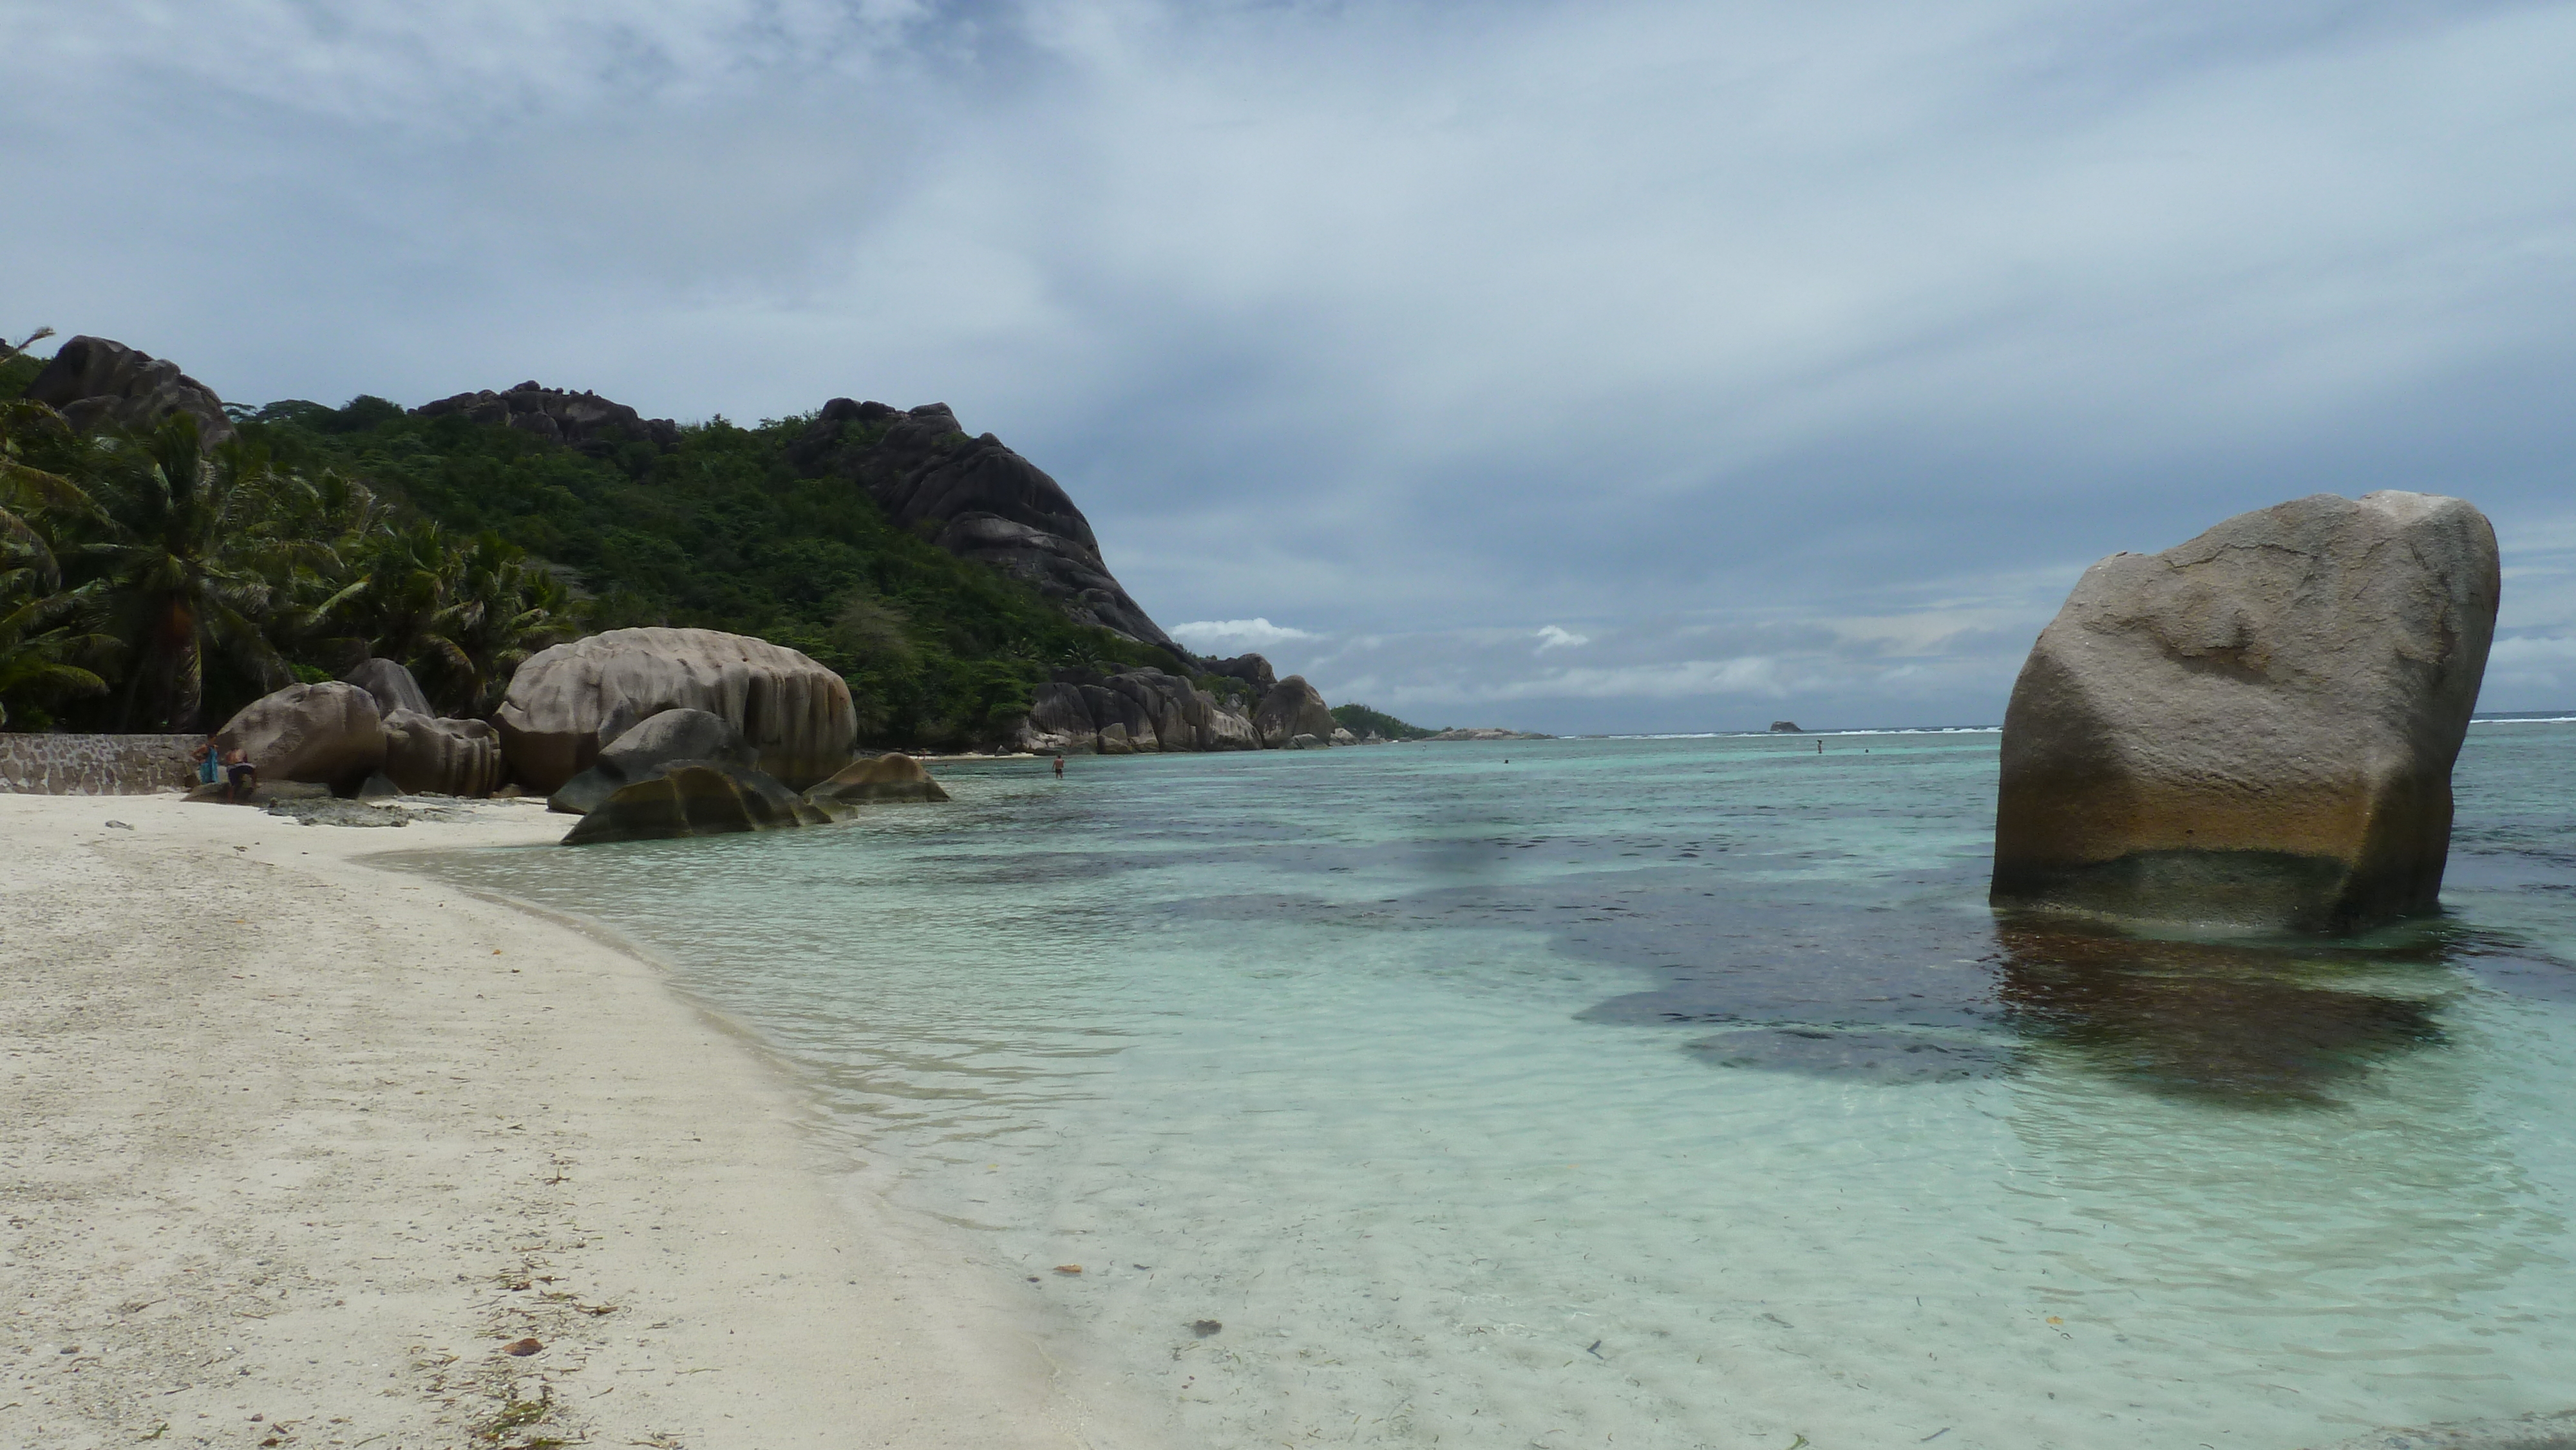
(1600, 366)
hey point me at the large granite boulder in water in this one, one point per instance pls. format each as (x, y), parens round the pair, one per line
(889, 777)
(1291, 710)
(2255, 728)
(647, 750)
(567, 703)
(328, 734)
(95, 383)
(429, 756)
(695, 798)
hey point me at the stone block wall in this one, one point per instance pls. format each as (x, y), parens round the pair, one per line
(97, 764)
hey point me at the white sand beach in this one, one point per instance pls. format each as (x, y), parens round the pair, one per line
(297, 1149)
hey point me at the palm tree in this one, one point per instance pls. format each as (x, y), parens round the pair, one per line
(502, 608)
(188, 561)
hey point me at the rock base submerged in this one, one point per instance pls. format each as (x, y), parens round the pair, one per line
(2254, 729)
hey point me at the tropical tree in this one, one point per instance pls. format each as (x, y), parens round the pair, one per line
(42, 658)
(186, 561)
(460, 617)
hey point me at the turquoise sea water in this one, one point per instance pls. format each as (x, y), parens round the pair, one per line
(1665, 1093)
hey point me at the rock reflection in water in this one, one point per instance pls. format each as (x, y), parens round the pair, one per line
(2242, 1023)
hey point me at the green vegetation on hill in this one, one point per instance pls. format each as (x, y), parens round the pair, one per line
(144, 587)
(1360, 720)
(722, 533)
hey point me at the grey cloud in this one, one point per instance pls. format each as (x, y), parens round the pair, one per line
(1791, 354)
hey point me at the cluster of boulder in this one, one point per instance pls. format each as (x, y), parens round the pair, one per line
(2254, 729)
(642, 732)
(95, 383)
(582, 420)
(1141, 711)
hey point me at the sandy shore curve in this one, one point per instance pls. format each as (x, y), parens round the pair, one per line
(300, 1150)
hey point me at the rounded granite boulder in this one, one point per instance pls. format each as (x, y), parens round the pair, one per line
(326, 734)
(567, 703)
(2255, 728)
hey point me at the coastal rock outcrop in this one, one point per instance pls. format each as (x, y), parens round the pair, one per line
(2256, 727)
(648, 749)
(888, 777)
(1134, 710)
(425, 755)
(585, 421)
(568, 702)
(1252, 669)
(978, 500)
(391, 684)
(695, 798)
(1786, 727)
(1292, 708)
(329, 734)
(95, 383)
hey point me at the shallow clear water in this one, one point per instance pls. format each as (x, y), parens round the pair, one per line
(1665, 1093)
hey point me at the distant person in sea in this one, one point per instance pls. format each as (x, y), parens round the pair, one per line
(1059, 767)
(241, 777)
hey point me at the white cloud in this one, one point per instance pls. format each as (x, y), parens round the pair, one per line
(1551, 637)
(1234, 636)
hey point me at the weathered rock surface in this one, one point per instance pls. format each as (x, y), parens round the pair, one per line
(1252, 669)
(889, 777)
(695, 798)
(1147, 709)
(647, 750)
(1308, 742)
(391, 684)
(585, 421)
(568, 702)
(425, 755)
(978, 500)
(2256, 727)
(330, 734)
(95, 383)
(1342, 736)
(1292, 709)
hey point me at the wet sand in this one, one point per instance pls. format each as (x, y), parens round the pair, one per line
(297, 1150)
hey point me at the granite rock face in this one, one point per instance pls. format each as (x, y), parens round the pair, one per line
(95, 383)
(585, 421)
(978, 500)
(391, 684)
(647, 750)
(429, 756)
(1252, 669)
(1292, 709)
(2255, 728)
(569, 702)
(329, 734)
(695, 798)
(1139, 710)
(889, 777)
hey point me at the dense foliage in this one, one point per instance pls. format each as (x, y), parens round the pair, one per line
(722, 533)
(1360, 720)
(146, 586)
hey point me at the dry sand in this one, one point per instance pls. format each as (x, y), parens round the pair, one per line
(294, 1148)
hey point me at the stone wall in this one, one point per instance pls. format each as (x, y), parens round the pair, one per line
(97, 764)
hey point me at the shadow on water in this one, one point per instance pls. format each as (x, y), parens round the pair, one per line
(2250, 1025)
(1916, 994)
